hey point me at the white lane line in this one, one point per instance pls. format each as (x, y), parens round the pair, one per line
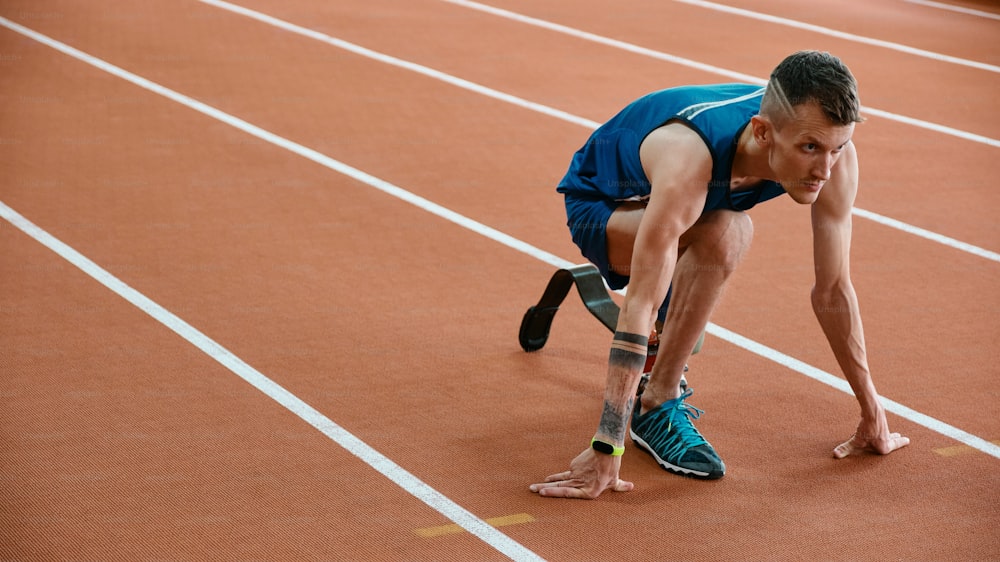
(433, 498)
(397, 474)
(923, 233)
(546, 110)
(951, 131)
(394, 61)
(900, 410)
(841, 34)
(954, 8)
(402, 478)
(615, 43)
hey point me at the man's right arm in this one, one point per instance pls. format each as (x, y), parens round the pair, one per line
(679, 166)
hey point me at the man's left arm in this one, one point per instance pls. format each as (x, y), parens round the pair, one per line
(836, 306)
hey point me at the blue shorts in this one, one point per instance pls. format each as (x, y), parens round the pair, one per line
(587, 219)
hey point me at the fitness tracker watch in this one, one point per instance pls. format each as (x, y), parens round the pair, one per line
(606, 448)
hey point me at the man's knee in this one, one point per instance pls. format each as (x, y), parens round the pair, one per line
(722, 239)
(739, 232)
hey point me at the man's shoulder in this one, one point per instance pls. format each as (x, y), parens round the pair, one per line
(837, 197)
(677, 150)
(676, 134)
(715, 112)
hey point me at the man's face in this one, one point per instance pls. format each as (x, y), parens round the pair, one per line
(805, 150)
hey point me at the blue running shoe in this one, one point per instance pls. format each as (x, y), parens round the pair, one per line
(668, 435)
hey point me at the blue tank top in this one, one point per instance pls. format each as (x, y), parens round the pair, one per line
(608, 165)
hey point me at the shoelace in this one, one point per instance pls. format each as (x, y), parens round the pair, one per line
(679, 419)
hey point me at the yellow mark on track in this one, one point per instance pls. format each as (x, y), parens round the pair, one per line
(516, 519)
(956, 450)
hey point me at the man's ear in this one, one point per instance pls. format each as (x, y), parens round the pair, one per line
(763, 130)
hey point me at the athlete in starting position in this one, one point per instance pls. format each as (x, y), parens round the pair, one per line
(656, 200)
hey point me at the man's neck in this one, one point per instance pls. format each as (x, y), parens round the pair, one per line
(751, 160)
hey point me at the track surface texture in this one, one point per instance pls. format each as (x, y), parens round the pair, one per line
(262, 268)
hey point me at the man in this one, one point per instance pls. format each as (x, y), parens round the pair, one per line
(656, 200)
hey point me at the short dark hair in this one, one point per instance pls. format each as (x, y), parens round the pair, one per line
(813, 76)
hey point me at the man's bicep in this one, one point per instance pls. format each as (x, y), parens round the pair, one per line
(675, 203)
(679, 171)
(831, 222)
(679, 168)
(831, 249)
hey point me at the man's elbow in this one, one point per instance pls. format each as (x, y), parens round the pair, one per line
(831, 297)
